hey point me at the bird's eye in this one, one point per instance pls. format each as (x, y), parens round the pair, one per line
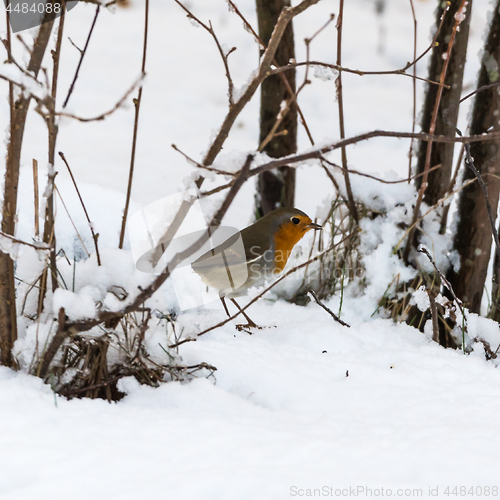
(295, 220)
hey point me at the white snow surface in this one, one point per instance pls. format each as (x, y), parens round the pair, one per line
(282, 413)
(303, 403)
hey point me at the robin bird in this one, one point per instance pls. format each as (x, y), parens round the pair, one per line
(267, 245)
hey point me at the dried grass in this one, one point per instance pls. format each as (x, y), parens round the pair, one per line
(91, 366)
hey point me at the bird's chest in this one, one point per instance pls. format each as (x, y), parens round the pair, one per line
(284, 241)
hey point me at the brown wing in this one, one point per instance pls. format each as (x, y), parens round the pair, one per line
(231, 251)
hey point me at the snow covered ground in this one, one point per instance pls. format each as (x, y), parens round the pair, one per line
(282, 413)
(298, 406)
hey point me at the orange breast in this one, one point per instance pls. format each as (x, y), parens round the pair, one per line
(284, 240)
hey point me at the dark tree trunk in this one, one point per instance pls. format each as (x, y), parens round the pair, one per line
(276, 188)
(473, 237)
(442, 154)
(494, 311)
(8, 323)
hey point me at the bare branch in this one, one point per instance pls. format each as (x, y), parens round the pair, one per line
(329, 311)
(54, 345)
(414, 86)
(203, 167)
(434, 315)
(350, 197)
(223, 55)
(71, 220)
(82, 55)
(137, 104)
(94, 235)
(102, 116)
(336, 67)
(36, 208)
(36, 246)
(447, 284)
(378, 179)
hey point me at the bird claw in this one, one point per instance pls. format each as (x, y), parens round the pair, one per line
(243, 328)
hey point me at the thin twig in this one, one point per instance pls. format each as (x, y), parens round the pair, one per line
(248, 27)
(90, 387)
(434, 315)
(336, 67)
(329, 311)
(369, 135)
(137, 104)
(71, 220)
(279, 119)
(49, 239)
(223, 55)
(378, 179)
(350, 197)
(94, 235)
(177, 344)
(36, 246)
(75, 45)
(82, 55)
(414, 86)
(104, 115)
(54, 345)
(24, 44)
(203, 167)
(31, 286)
(36, 201)
(423, 249)
(8, 46)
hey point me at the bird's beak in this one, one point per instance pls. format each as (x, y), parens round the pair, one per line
(313, 225)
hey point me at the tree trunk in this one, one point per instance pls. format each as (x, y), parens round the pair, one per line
(442, 154)
(473, 237)
(8, 323)
(494, 311)
(276, 188)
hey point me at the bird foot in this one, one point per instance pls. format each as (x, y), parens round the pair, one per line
(243, 328)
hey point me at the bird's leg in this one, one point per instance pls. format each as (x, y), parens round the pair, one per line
(251, 324)
(225, 306)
